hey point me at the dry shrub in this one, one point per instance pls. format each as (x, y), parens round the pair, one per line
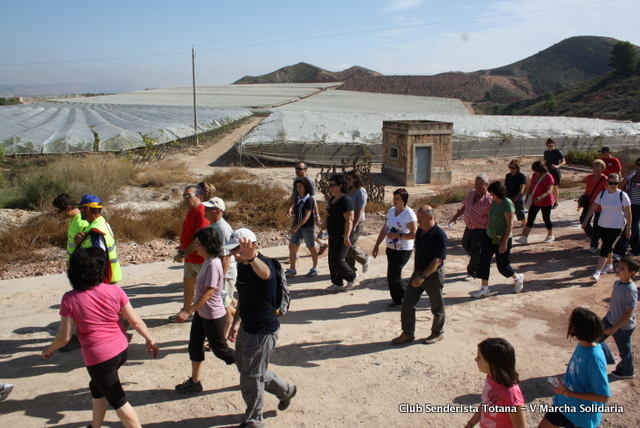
(567, 183)
(101, 176)
(162, 174)
(22, 243)
(374, 207)
(449, 196)
(145, 226)
(227, 182)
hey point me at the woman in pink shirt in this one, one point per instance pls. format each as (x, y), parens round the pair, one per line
(95, 308)
(208, 311)
(541, 190)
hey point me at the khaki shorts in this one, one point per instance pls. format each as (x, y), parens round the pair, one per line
(191, 270)
(230, 288)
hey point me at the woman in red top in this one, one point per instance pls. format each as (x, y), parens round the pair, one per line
(95, 308)
(541, 190)
(595, 184)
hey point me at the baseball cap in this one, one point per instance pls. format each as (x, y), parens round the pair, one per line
(234, 239)
(91, 201)
(605, 149)
(215, 203)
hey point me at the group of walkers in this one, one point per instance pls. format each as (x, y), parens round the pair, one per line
(231, 289)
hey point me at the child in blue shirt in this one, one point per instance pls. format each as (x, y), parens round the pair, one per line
(620, 321)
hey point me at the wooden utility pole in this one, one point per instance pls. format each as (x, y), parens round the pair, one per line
(195, 109)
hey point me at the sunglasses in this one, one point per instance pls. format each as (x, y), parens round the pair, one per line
(187, 196)
(638, 164)
(512, 167)
(212, 209)
(613, 183)
(300, 169)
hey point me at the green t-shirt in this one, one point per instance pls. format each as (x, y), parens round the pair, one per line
(76, 224)
(497, 221)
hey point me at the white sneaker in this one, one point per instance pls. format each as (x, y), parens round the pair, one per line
(617, 257)
(5, 390)
(608, 269)
(549, 238)
(334, 288)
(595, 277)
(469, 278)
(593, 250)
(350, 284)
(519, 283)
(480, 293)
(365, 266)
(522, 239)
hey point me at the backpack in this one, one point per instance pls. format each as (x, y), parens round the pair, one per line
(283, 296)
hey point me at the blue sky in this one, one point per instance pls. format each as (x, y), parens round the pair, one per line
(140, 44)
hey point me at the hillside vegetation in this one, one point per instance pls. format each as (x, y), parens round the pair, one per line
(610, 96)
(306, 73)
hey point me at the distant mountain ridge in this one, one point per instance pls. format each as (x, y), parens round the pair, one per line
(569, 62)
(307, 73)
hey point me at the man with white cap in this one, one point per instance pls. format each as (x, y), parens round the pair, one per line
(255, 328)
(214, 208)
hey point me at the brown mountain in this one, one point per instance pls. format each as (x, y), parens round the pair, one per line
(564, 64)
(306, 73)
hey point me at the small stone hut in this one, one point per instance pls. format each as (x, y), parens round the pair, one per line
(417, 151)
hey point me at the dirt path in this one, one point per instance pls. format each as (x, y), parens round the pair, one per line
(335, 348)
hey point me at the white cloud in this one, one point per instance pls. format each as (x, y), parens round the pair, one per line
(402, 5)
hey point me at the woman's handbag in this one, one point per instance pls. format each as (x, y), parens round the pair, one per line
(583, 201)
(529, 201)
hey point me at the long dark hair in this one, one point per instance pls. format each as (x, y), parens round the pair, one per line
(357, 181)
(502, 360)
(87, 268)
(341, 181)
(306, 183)
(539, 167)
(498, 189)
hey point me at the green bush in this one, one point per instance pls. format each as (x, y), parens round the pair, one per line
(39, 190)
(575, 157)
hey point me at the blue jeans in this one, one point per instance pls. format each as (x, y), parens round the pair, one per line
(623, 342)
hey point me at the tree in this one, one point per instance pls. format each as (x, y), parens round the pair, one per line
(550, 102)
(624, 58)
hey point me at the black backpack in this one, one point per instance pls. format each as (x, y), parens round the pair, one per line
(283, 296)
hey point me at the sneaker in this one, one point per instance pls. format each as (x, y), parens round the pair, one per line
(284, 403)
(617, 257)
(593, 250)
(619, 375)
(522, 239)
(322, 249)
(595, 277)
(469, 278)
(334, 288)
(549, 238)
(365, 266)
(608, 269)
(290, 272)
(519, 283)
(483, 292)
(433, 339)
(72, 345)
(189, 386)
(351, 284)
(5, 390)
(313, 272)
(393, 305)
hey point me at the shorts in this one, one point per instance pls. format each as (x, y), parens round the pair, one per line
(557, 175)
(191, 270)
(559, 420)
(307, 234)
(105, 382)
(230, 288)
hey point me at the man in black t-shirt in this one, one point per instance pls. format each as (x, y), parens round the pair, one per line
(255, 327)
(554, 160)
(428, 275)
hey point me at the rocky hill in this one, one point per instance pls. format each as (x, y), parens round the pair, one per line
(609, 96)
(307, 73)
(564, 64)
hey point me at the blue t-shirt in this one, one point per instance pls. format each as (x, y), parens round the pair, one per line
(586, 372)
(302, 205)
(359, 199)
(256, 316)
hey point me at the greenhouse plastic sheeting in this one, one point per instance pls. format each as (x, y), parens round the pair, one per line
(75, 127)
